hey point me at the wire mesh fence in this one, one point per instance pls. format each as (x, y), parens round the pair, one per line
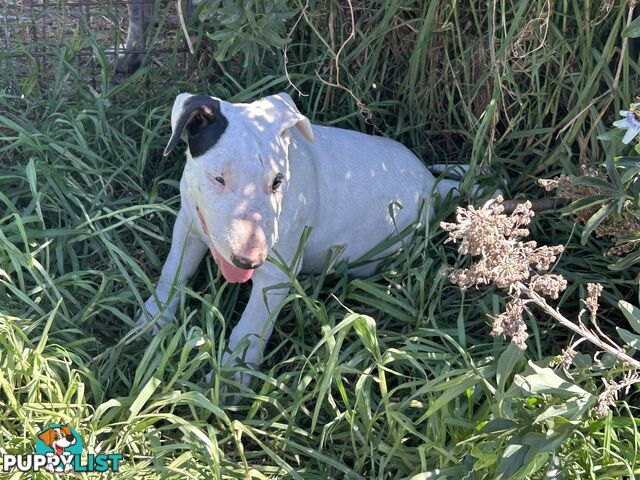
(88, 35)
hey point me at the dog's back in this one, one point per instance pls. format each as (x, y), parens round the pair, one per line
(366, 188)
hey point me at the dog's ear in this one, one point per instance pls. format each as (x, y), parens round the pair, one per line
(201, 116)
(66, 431)
(289, 115)
(47, 436)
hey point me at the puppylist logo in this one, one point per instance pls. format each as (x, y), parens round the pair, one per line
(59, 449)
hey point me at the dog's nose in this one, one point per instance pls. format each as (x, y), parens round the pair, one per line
(246, 263)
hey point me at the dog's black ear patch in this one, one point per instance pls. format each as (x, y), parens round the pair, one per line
(205, 124)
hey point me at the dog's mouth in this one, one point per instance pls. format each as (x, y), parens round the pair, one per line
(230, 272)
(59, 450)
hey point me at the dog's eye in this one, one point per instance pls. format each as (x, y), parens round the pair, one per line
(220, 180)
(277, 181)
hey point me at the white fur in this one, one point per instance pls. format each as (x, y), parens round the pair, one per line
(341, 185)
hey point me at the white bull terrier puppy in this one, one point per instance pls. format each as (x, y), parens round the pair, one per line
(253, 182)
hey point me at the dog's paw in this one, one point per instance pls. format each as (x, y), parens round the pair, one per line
(228, 395)
(241, 378)
(152, 312)
(231, 370)
(232, 363)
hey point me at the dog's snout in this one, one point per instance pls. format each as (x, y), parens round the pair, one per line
(246, 263)
(71, 439)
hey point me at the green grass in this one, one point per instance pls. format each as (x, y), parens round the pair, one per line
(393, 376)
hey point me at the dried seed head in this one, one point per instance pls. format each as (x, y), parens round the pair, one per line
(593, 295)
(494, 237)
(549, 285)
(510, 323)
(504, 259)
(568, 354)
(606, 400)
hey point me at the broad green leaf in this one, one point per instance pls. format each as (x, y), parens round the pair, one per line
(629, 338)
(593, 182)
(633, 29)
(626, 262)
(631, 313)
(595, 220)
(506, 363)
(544, 381)
(512, 460)
(499, 425)
(486, 454)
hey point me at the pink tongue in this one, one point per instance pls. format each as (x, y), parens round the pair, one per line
(230, 272)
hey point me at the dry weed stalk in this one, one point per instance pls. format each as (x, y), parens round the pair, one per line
(518, 267)
(607, 398)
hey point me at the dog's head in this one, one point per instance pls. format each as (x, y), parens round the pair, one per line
(58, 438)
(237, 172)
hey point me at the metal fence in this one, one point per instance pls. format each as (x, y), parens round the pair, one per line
(90, 35)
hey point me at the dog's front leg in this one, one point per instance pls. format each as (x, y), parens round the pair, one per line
(250, 335)
(185, 254)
